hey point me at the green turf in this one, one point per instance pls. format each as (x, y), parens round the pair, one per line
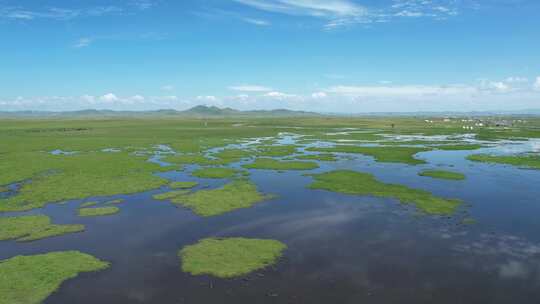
(234, 195)
(230, 257)
(523, 161)
(102, 211)
(442, 174)
(183, 185)
(381, 154)
(273, 164)
(319, 157)
(31, 279)
(352, 182)
(214, 173)
(233, 155)
(32, 228)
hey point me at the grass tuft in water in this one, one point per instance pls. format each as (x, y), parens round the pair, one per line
(273, 164)
(214, 173)
(234, 195)
(381, 154)
(101, 211)
(170, 194)
(32, 228)
(359, 183)
(230, 257)
(31, 279)
(523, 161)
(88, 204)
(442, 174)
(319, 157)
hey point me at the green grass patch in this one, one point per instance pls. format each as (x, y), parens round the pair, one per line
(170, 194)
(232, 155)
(523, 161)
(193, 159)
(214, 173)
(230, 257)
(32, 228)
(31, 279)
(276, 151)
(273, 164)
(102, 211)
(442, 174)
(319, 157)
(115, 202)
(88, 204)
(381, 154)
(234, 195)
(183, 185)
(57, 178)
(459, 147)
(3, 189)
(359, 183)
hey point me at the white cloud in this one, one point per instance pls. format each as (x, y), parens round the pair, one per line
(318, 8)
(319, 95)
(208, 98)
(537, 83)
(250, 88)
(516, 79)
(499, 86)
(110, 97)
(258, 22)
(278, 95)
(83, 42)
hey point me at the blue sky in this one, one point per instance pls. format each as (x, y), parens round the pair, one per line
(347, 56)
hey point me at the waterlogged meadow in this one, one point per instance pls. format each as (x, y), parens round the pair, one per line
(269, 210)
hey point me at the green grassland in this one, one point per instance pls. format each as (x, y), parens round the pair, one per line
(358, 183)
(273, 164)
(442, 174)
(32, 228)
(101, 211)
(214, 173)
(381, 154)
(31, 279)
(234, 195)
(319, 157)
(522, 161)
(230, 257)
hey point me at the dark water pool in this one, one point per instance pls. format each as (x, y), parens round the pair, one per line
(341, 248)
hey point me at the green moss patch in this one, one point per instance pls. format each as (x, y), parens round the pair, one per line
(230, 257)
(31, 279)
(102, 211)
(273, 164)
(442, 174)
(522, 161)
(235, 195)
(352, 182)
(32, 228)
(319, 157)
(214, 173)
(381, 154)
(183, 185)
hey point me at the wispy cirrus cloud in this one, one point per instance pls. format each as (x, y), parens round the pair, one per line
(250, 88)
(339, 13)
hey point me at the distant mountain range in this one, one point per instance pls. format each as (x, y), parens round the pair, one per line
(216, 112)
(197, 111)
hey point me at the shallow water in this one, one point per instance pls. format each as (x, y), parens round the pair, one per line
(341, 248)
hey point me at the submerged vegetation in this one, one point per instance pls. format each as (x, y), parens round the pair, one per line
(319, 157)
(273, 164)
(101, 211)
(442, 174)
(31, 279)
(230, 257)
(276, 151)
(32, 228)
(381, 154)
(214, 173)
(523, 161)
(234, 195)
(358, 183)
(183, 185)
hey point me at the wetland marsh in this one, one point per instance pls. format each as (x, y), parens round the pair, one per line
(304, 210)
